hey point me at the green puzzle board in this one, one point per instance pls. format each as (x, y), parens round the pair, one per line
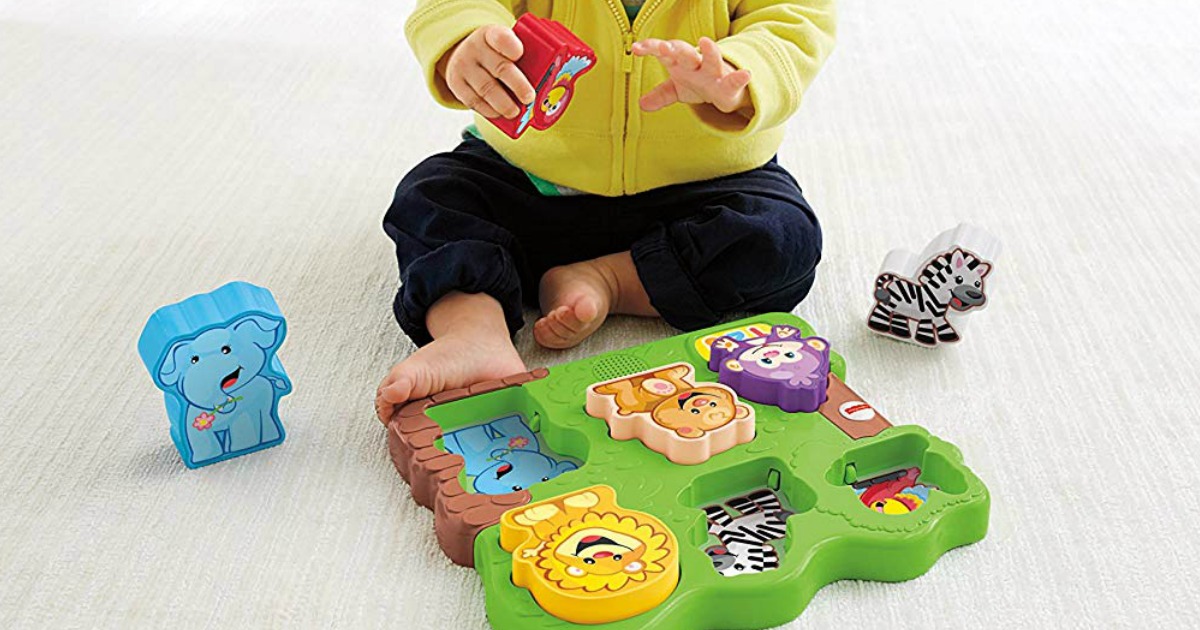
(803, 456)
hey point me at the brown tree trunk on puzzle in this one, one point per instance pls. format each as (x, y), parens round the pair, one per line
(432, 473)
(850, 413)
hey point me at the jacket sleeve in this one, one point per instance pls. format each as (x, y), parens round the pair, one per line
(783, 44)
(436, 26)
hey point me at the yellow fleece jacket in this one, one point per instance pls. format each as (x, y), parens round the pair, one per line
(604, 143)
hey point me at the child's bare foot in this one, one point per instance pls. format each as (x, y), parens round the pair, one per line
(577, 298)
(448, 363)
(471, 344)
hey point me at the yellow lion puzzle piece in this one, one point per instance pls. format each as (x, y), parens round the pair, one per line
(587, 560)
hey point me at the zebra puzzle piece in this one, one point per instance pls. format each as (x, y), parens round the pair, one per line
(783, 369)
(213, 356)
(670, 413)
(935, 290)
(587, 560)
(749, 539)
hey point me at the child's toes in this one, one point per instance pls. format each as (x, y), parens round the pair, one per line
(399, 390)
(584, 312)
(383, 408)
(566, 320)
(559, 329)
(551, 332)
(566, 326)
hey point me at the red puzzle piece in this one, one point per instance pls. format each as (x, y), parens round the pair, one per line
(554, 59)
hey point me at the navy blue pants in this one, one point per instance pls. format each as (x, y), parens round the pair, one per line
(469, 221)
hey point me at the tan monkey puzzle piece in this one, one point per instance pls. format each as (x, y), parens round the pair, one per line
(686, 421)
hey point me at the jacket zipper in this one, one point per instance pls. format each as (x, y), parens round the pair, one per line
(629, 33)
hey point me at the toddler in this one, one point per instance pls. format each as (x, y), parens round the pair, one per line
(655, 194)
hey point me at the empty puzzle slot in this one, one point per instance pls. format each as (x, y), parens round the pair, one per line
(499, 437)
(896, 476)
(745, 509)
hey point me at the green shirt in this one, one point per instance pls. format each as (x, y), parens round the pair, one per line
(632, 7)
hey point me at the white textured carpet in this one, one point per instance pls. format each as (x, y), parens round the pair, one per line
(154, 149)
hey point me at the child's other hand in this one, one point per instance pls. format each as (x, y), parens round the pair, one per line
(480, 67)
(697, 75)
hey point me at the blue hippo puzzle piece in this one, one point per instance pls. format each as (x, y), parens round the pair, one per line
(213, 356)
(504, 455)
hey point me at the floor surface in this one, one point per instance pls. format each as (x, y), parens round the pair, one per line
(151, 149)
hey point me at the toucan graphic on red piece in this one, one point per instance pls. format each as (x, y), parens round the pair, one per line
(553, 61)
(894, 493)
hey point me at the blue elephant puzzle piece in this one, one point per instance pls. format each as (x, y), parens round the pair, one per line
(214, 357)
(504, 455)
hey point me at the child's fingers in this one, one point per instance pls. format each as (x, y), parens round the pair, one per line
(496, 96)
(730, 89)
(517, 83)
(468, 97)
(660, 49)
(685, 54)
(507, 72)
(663, 95)
(711, 61)
(504, 41)
(489, 91)
(648, 46)
(461, 91)
(737, 79)
(734, 82)
(476, 103)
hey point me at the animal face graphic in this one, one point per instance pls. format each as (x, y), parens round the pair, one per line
(901, 503)
(723, 561)
(687, 422)
(599, 551)
(748, 527)
(783, 369)
(952, 281)
(554, 93)
(518, 469)
(586, 559)
(213, 356)
(797, 363)
(504, 456)
(965, 281)
(555, 101)
(692, 412)
(674, 402)
(894, 493)
(586, 542)
(215, 365)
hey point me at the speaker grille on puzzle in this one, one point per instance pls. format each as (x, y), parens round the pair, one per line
(618, 365)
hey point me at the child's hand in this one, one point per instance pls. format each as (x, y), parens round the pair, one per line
(480, 67)
(697, 76)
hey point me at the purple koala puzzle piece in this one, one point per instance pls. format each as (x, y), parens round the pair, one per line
(784, 368)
